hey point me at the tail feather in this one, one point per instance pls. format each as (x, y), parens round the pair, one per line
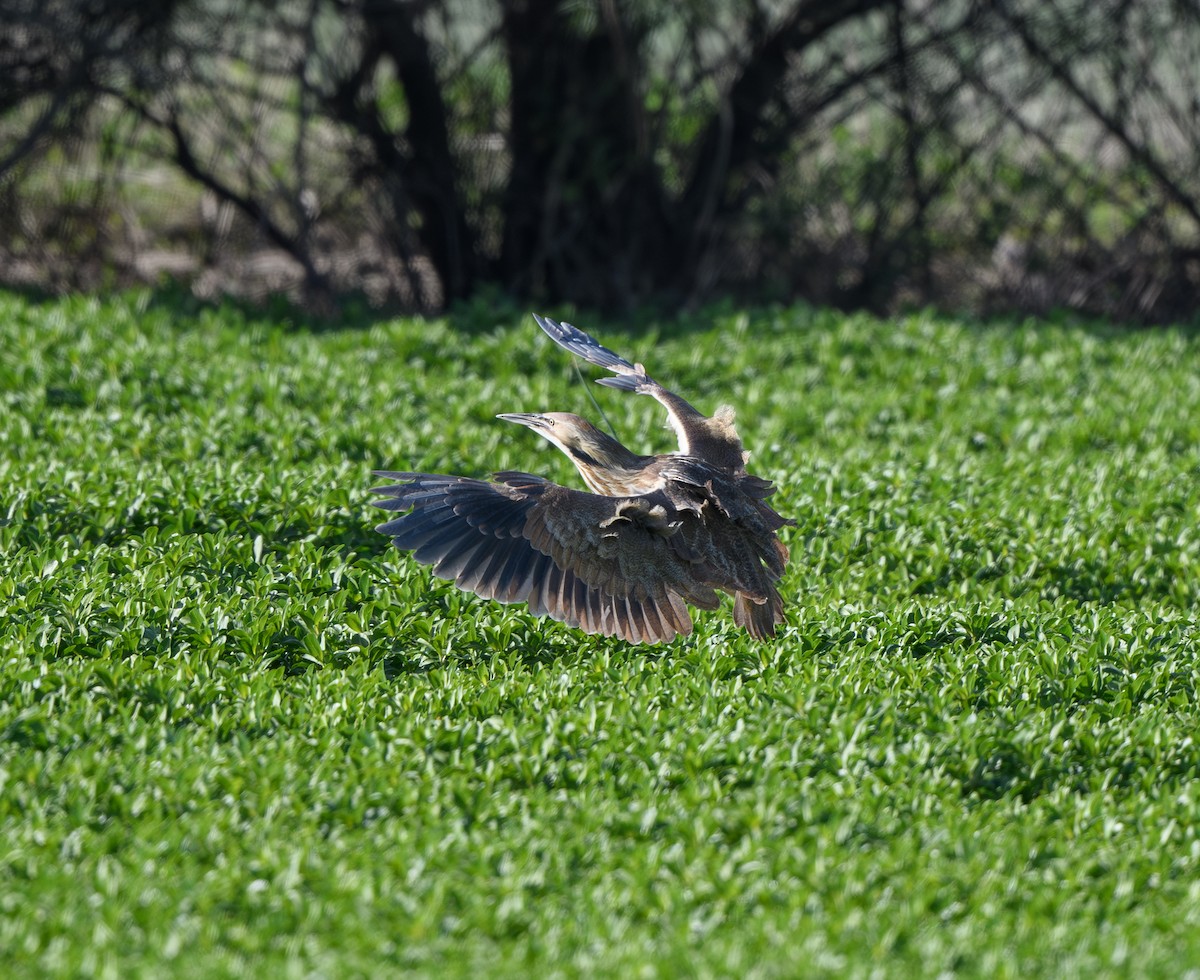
(758, 617)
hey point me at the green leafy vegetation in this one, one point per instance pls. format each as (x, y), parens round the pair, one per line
(238, 731)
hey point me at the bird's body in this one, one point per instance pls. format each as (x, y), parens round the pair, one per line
(653, 533)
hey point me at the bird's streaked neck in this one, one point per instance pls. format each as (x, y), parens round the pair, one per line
(607, 467)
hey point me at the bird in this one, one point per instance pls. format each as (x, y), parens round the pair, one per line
(710, 455)
(650, 535)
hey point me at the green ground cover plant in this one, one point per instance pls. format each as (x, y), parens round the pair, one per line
(239, 732)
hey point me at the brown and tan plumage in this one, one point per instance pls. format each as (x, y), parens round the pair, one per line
(597, 563)
(656, 532)
(709, 470)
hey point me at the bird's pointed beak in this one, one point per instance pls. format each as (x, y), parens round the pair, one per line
(531, 419)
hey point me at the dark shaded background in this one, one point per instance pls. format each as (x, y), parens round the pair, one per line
(979, 156)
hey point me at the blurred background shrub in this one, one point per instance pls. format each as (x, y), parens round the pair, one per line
(982, 156)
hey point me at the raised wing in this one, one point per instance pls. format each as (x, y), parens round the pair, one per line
(714, 439)
(602, 564)
(629, 376)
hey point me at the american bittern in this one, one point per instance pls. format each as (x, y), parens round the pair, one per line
(656, 532)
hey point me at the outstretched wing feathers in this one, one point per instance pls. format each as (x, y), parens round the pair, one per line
(591, 350)
(514, 541)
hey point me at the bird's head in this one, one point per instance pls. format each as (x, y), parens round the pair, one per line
(585, 445)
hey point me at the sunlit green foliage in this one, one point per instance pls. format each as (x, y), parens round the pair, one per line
(239, 732)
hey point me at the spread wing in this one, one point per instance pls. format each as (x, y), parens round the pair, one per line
(602, 564)
(713, 439)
